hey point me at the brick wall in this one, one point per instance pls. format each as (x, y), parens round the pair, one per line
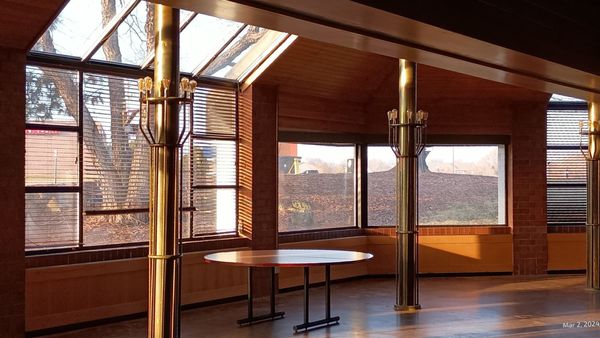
(258, 173)
(467, 105)
(12, 199)
(527, 183)
(264, 167)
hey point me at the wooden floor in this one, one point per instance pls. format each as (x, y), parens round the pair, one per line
(499, 306)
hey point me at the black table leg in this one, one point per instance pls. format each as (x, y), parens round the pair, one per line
(328, 321)
(251, 319)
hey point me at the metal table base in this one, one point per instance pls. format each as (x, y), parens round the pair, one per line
(272, 315)
(328, 320)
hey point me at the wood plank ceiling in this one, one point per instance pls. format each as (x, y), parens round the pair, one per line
(321, 70)
(23, 21)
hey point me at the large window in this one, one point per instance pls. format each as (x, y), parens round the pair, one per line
(316, 186)
(566, 167)
(381, 186)
(458, 185)
(87, 163)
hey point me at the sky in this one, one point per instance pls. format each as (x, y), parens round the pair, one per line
(339, 154)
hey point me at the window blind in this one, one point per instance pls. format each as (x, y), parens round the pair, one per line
(51, 220)
(51, 158)
(213, 161)
(566, 166)
(116, 156)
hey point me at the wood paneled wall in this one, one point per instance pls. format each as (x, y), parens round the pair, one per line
(68, 294)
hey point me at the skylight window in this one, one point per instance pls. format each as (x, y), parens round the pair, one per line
(202, 39)
(562, 98)
(121, 32)
(79, 23)
(129, 43)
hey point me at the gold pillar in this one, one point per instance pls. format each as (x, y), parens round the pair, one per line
(407, 288)
(164, 257)
(593, 198)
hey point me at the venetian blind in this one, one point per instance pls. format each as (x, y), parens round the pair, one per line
(116, 156)
(566, 168)
(213, 160)
(51, 158)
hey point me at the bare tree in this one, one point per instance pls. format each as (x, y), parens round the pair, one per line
(119, 157)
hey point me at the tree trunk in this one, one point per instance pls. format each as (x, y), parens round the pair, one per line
(69, 92)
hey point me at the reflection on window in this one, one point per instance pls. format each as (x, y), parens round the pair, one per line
(316, 186)
(458, 185)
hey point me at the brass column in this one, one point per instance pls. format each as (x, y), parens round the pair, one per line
(407, 288)
(593, 198)
(164, 257)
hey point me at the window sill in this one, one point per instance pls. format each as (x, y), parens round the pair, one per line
(313, 235)
(139, 250)
(446, 230)
(565, 229)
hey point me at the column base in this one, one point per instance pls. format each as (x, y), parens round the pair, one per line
(407, 308)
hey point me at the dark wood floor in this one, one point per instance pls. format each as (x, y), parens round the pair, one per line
(500, 306)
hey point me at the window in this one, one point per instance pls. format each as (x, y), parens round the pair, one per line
(210, 46)
(316, 186)
(381, 186)
(52, 158)
(87, 163)
(566, 166)
(462, 185)
(458, 185)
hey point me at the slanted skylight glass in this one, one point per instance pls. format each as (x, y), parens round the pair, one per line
(121, 33)
(562, 98)
(131, 39)
(251, 46)
(202, 39)
(79, 23)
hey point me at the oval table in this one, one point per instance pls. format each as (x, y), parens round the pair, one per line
(289, 258)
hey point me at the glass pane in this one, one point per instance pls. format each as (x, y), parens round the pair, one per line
(214, 163)
(244, 52)
(52, 96)
(381, 188)
(566, 166)
(51, 158)
(51, 220)
(79, 23)
(215, 112)
(563, 98)
(316, 186)
(133, 39)
(566, 205)
(462, 185)
(202, 38)
(563, 127)
(115, 229)
(216, 211)
(116, 155)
